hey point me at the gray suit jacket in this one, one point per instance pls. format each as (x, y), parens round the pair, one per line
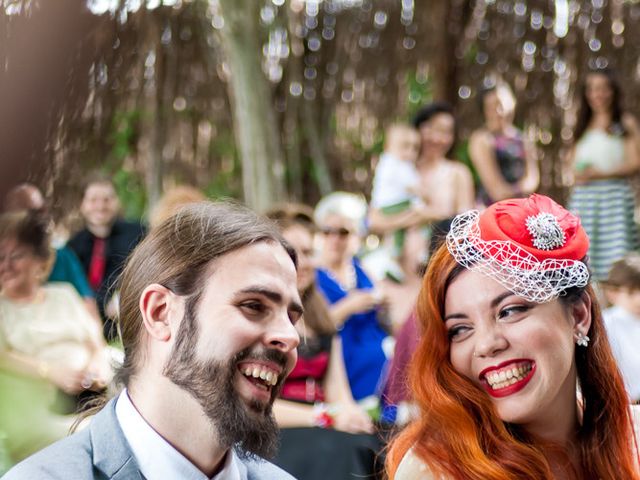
(101, 452)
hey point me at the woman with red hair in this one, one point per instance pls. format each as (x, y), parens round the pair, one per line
(514, 376)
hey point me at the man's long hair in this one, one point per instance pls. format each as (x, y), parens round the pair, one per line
(177, 255)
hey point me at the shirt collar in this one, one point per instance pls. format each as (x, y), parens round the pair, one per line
(157, 458)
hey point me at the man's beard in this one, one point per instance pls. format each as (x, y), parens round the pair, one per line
(212, 384)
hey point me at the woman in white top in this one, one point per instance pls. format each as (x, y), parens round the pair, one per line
(48, 339)
(511, 332)
(604, 156)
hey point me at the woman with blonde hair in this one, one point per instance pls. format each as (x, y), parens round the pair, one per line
(514, 376)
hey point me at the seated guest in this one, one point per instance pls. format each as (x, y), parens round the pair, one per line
(105, 242)
(317, 393)
(355, 302)
(49, 342)
(622, 319)
(66, 266)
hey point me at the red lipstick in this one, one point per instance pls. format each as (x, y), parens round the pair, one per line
(509, 389)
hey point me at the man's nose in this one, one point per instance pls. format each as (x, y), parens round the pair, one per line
(282, 334)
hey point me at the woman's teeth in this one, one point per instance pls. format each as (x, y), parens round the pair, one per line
(508, 376)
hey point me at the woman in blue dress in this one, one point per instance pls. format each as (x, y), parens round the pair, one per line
(355, 302)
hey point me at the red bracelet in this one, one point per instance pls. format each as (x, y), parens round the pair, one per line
(321, 417)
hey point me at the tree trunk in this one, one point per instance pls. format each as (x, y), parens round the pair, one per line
(256, 131)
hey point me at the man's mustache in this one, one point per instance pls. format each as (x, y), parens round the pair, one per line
(266, 355)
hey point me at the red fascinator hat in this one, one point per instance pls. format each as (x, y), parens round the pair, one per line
(532, 246)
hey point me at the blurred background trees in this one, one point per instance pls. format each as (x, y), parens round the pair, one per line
(267, 100)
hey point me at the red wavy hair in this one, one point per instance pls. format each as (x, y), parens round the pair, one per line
(459, 433)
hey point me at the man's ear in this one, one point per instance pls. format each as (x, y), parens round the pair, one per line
(581, 313)
(156, 304)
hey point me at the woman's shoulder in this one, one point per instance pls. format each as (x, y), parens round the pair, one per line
(458, 168)
(481, 136)
(630, 123)
(64, 289)
(60, 293)
(411, 467)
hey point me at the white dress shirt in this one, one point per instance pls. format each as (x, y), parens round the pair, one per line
(156, 458)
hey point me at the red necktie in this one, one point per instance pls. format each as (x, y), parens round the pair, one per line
(98, 261)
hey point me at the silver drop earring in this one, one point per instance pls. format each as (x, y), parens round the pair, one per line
(582, 340)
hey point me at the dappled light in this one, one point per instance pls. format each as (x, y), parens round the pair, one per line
(148, 84)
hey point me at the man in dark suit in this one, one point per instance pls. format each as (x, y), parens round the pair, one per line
(104, 243)
(207, 312)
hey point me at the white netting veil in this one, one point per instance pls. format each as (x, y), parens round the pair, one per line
(512, 266)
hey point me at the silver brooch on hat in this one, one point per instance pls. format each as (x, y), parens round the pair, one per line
(546, 232)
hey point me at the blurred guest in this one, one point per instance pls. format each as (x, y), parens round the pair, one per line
(399, 406)
(316, 393)
(46, 333)
(66, 266)
(172, 200)
(24, 196)
(396, 187)
(355, 301)
(395, 182)
(105, 242)
(604, 156)
(622, 319)
(505, 161)
(445, 185)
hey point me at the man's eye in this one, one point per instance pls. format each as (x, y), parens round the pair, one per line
(295, 317)
(253, 307)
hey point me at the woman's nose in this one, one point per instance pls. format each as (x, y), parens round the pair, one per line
(490, 341)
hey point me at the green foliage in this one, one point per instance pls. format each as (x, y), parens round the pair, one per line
(378, 144)
(132, 193)
(420, 91)
(124, 129)
(226, 181)
(461, 153)
(471, 53)
(130, 185)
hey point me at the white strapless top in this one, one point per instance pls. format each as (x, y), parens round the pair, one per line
(600, 150)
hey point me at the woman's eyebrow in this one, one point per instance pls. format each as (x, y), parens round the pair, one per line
(494, 303)
(455, 316)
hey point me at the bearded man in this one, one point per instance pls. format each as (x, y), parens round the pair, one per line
(208, 305)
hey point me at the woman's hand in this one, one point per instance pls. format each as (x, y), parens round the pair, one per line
(362, 300)
(356, 301)
(353, 419)
(69, 380)
(586, 174)
(99, 372)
